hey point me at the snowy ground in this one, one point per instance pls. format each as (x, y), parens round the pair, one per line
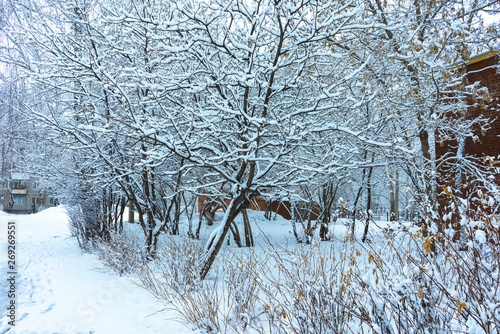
(59, 289)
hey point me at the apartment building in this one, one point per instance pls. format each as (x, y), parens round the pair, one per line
(20, 195)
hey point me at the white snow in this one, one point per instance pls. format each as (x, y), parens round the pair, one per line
(19, 176)
(59, 289)
(480, 236)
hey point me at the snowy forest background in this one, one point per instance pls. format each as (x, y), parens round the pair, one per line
(331, 105)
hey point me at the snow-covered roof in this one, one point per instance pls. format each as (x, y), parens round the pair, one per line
(19, 176)
(475, 59)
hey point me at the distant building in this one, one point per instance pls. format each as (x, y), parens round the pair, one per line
(211, 204)
(20, 195)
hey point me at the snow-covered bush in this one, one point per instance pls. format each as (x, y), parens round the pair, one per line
(243, 277)
(304, 294)
(468, 258)
(176, 266)
(77, 226)
(174, 279)
(83, 213)
(415, 279)
(122, 252)
(395, 284)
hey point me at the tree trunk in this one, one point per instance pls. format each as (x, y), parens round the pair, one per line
(238, 203)
(122, 210)
(394, 198)
(293, 220)
(189, 213)
(425, 147)
(355, 204)
(150, 244)
(368, 203)
(236, 234)
(360, 191)
(248, 229)
(268, 212)
(327, 199)
(131, 218)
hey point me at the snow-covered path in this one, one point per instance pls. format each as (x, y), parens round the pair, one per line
(59, 289)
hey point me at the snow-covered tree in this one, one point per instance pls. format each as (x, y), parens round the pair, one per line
(242, 98)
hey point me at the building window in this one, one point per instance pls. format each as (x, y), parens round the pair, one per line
(18, 184)
(19, 200)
